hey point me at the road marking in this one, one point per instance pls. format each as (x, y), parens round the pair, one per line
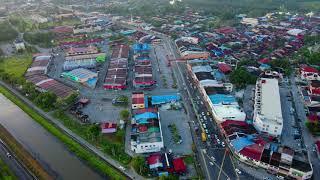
(205, 164)
(219, 167)
(234, 168)
(224, 157)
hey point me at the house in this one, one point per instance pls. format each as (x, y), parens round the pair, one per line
(19, 45)
(138, 100)
(314, 88)
(309, 73)
(108, 128)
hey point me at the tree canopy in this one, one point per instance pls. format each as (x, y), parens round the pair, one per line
(241, 77)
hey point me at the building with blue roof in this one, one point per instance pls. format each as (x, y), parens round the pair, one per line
(242, 142)
(222, 99)
(157, 100)
(141, 48)
(145, 116)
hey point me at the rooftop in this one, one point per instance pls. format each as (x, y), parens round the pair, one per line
(268, 99)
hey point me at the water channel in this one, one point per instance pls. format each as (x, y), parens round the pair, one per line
(44, 146)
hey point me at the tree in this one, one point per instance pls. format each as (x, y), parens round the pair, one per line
(46, 100)
(124, 114)
(139, 165)
(241, 77)
(93, 131)
(281, 64)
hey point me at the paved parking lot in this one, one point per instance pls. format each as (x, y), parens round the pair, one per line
(289, 124)
(179, 118)
(160, 69)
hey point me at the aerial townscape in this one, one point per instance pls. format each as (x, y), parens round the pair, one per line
(170, 89)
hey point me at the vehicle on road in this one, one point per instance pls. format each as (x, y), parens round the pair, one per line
(8, 155)
(238, 171)
(213, 158)
(211, 163)
(122, 168)
(202, 113)
(203, 137)
(222, 144)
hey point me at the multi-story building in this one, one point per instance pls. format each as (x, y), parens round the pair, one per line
(215, 93)
(267, 116)
(146, 133)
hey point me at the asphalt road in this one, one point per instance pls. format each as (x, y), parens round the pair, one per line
(14, 165)
(215, 160)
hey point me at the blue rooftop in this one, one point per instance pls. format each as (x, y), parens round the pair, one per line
(242, 142)
(145, 116)
(164, 99)
(222, 98)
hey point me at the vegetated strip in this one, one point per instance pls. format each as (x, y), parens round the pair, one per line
(5, 172)
(73, 146)
(23, 155)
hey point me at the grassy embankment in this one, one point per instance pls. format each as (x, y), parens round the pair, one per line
(24, 156)
(73, 146)
(5, 173)
(112, 145)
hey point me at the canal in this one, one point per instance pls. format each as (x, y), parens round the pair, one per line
(44, 146)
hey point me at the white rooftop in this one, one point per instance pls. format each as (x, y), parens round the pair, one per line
(270, 99)
(228, 111)
(206, 68)
(295, 32)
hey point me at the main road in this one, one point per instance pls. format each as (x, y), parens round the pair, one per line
(215, 160)
(13, 163)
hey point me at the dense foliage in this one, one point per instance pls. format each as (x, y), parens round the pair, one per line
(7, 33)
(43, 39)
(241, 77)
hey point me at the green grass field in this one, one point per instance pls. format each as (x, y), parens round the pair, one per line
(90, 158)
(16, 65)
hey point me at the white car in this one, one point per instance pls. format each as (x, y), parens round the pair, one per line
(202, 113)
(122, 168)
(211, 163)
(222, 144)
(213, 159)
(205, 118)
(207, 131)
(238, 171)
(204, 126)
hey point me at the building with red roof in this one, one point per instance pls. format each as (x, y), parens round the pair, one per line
(253, 152)
(179, 166)
(224, 68)
(138, 100)
(155, 161)
(108, 127)
(314, 88)
(308, 73)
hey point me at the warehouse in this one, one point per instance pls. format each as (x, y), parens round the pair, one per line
(83, 63)
(83, 76)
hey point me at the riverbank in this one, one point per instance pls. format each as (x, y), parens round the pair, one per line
(73, 146)
(24, 156)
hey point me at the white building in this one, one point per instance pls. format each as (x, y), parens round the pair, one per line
(267, 116)
(19, 45)
(86, 29)
(250, 21)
